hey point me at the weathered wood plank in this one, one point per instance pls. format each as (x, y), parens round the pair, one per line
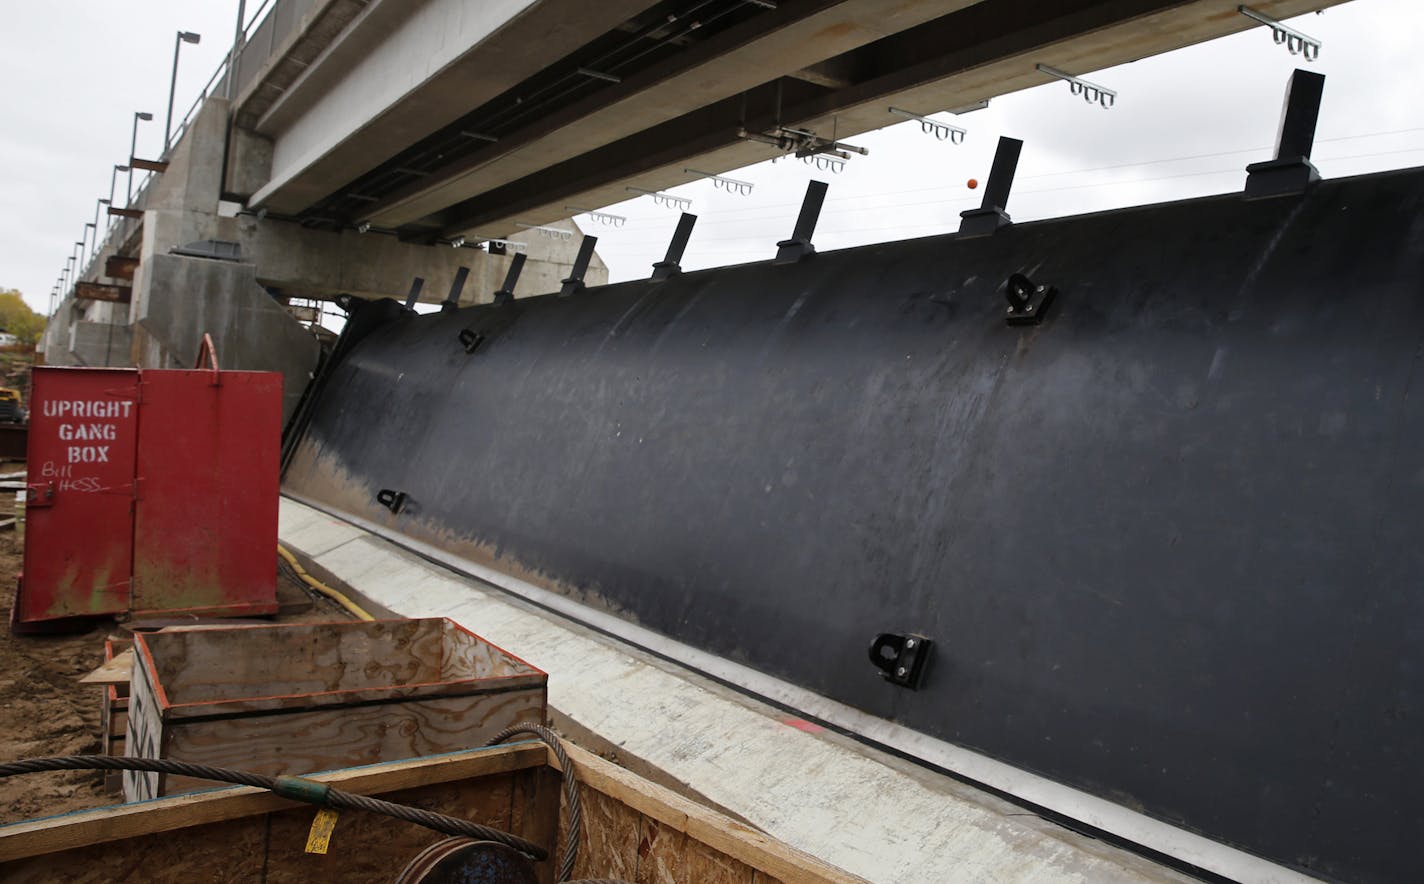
(115, 670)
(120, 267)
(327, 739)
(108, 824)
(100, 291)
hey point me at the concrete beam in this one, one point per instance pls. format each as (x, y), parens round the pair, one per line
(401, 71)
(978, 53)
(789, 38)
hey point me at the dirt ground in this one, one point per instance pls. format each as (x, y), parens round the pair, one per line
(45, 711)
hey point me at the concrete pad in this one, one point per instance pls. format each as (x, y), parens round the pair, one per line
(865, 811)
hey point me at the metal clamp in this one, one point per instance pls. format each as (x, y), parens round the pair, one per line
(901, 658)
(663, 199)
(599, 217)
(940, 130)
(1091, 92)
(391, 499)
(1027, 301)
(722, 182)
(1294, 41)
(470, 339)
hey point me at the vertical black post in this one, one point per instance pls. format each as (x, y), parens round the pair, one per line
(1291, 172)
(457, 285)
(574, 284)
(672, 264)
(991, 214)
(415, 286)
(799, 246)
(511, 279)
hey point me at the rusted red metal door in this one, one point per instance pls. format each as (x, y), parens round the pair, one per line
(79, 511)
(205, 524)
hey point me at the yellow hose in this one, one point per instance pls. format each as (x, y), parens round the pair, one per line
(336, 596)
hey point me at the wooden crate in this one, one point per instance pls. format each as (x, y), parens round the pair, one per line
(113, 715)
(319, 696)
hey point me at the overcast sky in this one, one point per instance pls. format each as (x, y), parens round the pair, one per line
(1185, 124)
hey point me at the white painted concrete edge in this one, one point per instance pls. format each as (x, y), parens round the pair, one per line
(846, 803)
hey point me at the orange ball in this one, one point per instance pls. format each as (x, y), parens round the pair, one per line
(973, 183)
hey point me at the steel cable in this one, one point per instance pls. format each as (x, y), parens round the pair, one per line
(294, 788)
(571, 796)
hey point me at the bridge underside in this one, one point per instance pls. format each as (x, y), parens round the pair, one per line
(569, 104)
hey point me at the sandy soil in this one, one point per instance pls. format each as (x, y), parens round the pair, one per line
(45, 711)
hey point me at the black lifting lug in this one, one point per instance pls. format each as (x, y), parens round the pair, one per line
(391, 499)
(471, 339)
(1027, 301)
(901, 658)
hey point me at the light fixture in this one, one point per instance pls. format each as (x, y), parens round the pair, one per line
(721, 182)
(940, 130)
(600, 75)
(1092, 93)
(458, 242)
(363, 227)
(1295, 42)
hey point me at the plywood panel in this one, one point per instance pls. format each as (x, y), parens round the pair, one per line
(609, 846)
(327, 739)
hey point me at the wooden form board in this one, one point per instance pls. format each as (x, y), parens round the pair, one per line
(321, 696)
(632, 828)
(120, 266)
(99, 291)
(114, 714)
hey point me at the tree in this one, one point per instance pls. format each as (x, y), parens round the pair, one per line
(18, 319)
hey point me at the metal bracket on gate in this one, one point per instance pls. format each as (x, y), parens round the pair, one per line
(416, 285)
(1291, 172)
(900, 657)
(471, 339)
(39, 495)
(799, 246)
(457, 285)
(671, 265)
(1027, 301)
(391, 499)
(992, 214)
(511, 278)
(574, 284)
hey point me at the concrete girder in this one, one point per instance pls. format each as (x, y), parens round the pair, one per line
(790, 38)
(401, 71)
(968, 66)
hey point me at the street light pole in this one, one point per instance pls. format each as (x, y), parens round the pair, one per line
(113, 177)
(97, 204)
(88, 227)
(133, 146)
(183, 37)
